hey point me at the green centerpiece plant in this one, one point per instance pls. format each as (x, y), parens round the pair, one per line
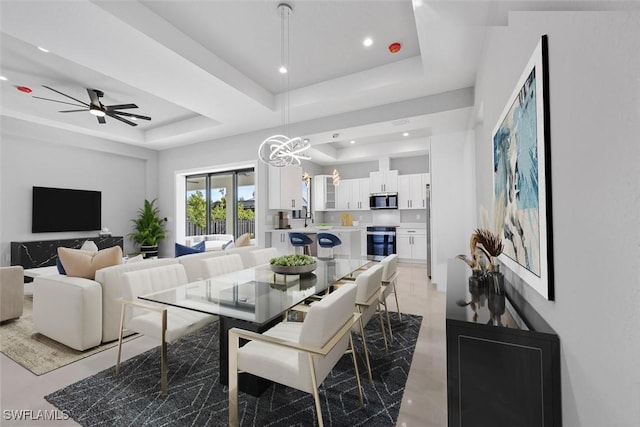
(293, 264)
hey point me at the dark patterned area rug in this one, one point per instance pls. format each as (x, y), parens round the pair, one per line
(196, 398)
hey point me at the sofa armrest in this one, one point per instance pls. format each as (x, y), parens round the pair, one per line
(68, 310)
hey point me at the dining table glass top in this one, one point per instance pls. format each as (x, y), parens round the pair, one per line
(258, 294)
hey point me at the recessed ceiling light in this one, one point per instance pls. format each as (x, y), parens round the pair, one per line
(352, 141)
(405, 134)
(283, 70)
(3, 78)
(367, 42)
(42, 49)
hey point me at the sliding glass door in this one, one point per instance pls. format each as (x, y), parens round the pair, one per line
(221, 203)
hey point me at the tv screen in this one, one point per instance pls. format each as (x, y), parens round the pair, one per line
(63, 209)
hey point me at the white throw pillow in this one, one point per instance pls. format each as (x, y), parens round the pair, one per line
(89, 245)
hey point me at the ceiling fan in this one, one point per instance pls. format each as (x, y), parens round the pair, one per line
(96, 107)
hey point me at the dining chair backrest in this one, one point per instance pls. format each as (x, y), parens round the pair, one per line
(263, 256)
(389, 267)
(369, 284)
(150, 280)
(221, 265)
(325, 317)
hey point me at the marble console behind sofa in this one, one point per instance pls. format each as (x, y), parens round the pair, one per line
(43, 253)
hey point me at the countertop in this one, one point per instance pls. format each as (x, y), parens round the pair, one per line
(311, 230)
(359, 227)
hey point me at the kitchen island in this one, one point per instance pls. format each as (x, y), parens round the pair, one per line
(351, 238)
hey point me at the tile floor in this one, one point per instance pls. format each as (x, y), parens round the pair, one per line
(424, 402)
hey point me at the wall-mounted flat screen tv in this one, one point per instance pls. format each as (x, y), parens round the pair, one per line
(63, 209)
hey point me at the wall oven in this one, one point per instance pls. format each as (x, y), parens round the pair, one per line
(381, 241)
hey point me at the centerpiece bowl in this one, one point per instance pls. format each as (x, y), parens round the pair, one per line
(293, 264)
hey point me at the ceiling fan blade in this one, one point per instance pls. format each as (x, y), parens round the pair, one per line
(122, 113)
(64, 94)
(72, 111)
(55, 100)
(93, 96)
(119, 107)
(101, 120)
(110, 114)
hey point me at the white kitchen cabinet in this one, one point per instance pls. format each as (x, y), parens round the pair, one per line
(324, 193)
(412, 244)
(383, 182)
(280, 241)
(413, 191)
(353, 194)
(285, 188)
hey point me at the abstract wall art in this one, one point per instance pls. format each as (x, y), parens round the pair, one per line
(522, 179)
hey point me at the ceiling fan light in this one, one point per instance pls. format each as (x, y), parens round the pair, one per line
(96, 111)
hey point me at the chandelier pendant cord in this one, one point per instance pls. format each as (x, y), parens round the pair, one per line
(280, 150)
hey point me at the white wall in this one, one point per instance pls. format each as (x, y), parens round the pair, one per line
(452, 209)
(230, 153)
(594, 78)
(32, 155)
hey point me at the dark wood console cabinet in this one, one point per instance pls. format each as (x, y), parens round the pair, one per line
(503, 359)
(43, 253)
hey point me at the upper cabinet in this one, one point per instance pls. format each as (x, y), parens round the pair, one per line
(413, 193)
(285, 188)
(383, 182)
(324, 193)
(353, 194)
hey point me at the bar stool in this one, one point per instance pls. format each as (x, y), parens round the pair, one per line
(327, 242)
(300, 240)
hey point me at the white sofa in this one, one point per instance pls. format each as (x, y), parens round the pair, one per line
(83, 313)
(212, 242)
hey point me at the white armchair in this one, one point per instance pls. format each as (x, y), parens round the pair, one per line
(298, 355)
(157, 320)
(11, 292)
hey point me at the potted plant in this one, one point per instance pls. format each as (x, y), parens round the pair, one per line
(149, 229)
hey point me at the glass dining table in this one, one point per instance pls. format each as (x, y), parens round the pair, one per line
(255, 299)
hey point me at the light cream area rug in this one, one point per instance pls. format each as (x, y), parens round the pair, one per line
(34, 351)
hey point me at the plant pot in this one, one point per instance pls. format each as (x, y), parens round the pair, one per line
(149, 251)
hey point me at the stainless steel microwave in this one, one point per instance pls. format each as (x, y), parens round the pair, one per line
(383, 201)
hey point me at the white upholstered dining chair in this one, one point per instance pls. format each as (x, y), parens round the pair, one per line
(297, 354)
(157, 320)
(369, 285)
(221, 265)
(389, 275)
(263, 256)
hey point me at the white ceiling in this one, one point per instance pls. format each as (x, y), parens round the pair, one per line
(204, 70)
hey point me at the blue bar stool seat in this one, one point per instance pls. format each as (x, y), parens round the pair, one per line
(327, 242)
(300, 240)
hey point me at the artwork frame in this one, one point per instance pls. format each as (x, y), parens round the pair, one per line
(522, 176)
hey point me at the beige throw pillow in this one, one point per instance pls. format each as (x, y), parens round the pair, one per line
(79, 263)
(243, 240)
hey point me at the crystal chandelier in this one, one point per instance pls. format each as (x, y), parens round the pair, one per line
(280, 150)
